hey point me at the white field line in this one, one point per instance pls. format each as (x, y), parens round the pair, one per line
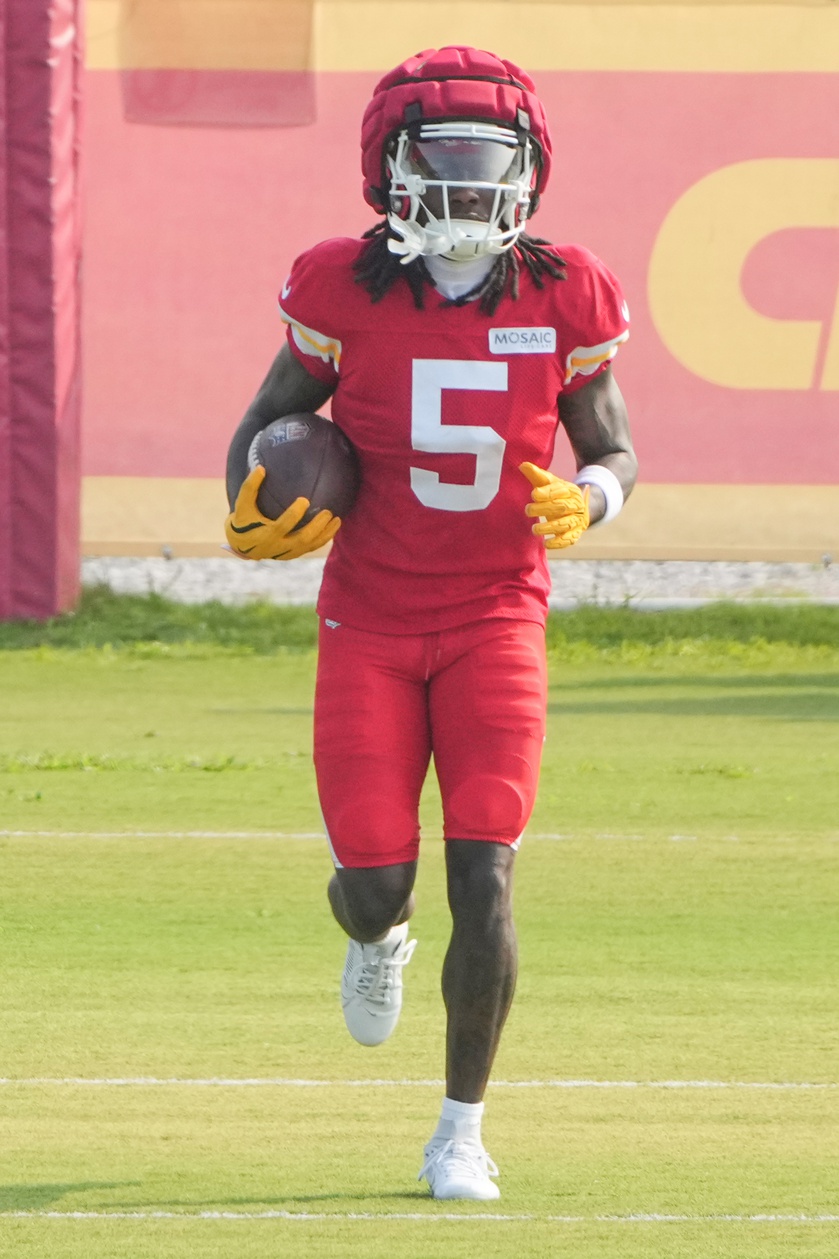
(549, 835)
(553, 836)
(162, 835)
(151, 1081)
(421, 1217)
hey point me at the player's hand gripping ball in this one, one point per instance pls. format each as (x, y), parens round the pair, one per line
(303, 479)
(561, 505)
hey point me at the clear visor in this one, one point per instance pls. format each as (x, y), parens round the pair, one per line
(466, 161)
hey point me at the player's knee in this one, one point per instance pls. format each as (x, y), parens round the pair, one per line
(480, 879)
(375, 899)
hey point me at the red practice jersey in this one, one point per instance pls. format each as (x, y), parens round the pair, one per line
(442, 405)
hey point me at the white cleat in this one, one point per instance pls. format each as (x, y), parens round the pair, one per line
(459, 1169)
(371, 986)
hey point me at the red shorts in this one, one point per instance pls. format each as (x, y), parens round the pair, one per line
(474, 697)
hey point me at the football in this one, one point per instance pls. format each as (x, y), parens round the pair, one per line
(305, 456)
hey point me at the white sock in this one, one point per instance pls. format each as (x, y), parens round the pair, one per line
(460, 1120)
(396, 935)
(393, 939)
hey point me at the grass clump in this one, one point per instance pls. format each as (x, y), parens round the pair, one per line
(106, 619)
(153, 624)
(23, 762)
(801, 625)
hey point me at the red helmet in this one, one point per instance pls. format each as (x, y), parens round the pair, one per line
(451, 83)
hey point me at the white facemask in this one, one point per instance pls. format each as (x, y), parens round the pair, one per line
(450, 166)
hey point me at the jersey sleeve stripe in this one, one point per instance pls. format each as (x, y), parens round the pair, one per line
(584, 360)
(315, 344)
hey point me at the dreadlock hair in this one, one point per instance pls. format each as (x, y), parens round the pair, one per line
(377, 270)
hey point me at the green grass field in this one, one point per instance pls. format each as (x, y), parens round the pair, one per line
(668, 1085)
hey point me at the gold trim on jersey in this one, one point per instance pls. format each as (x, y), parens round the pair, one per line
(584, 360)
(315, 344)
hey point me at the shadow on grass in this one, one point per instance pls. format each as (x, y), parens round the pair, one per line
(257, 710)
(42, 1197)
(808, 686)
(790, 697)
(710, 681)
(287, 1202)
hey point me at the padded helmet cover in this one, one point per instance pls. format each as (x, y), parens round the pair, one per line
(452, 82)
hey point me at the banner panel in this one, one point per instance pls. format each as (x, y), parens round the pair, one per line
(41, 51)
(5, 365)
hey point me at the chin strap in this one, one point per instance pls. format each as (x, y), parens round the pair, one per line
(420, 246)
(417, 242)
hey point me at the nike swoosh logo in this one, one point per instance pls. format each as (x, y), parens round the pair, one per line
(257, 524)
(286, 290)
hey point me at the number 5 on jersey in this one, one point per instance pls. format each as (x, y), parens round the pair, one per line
(431, 436)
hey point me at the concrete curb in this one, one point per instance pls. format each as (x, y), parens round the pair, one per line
(644, 584)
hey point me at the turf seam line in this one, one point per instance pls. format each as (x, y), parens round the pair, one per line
(151, 1081)
(425, 1217)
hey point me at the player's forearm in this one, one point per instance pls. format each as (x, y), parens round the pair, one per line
(237, 456)
(597, 425)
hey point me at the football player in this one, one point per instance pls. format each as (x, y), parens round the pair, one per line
(452, 344)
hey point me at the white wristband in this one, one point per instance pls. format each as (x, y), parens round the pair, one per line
(605, 480)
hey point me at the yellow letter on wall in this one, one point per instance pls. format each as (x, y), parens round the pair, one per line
(695, 291)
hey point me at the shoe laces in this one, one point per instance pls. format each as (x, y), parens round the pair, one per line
(377, 977)
(463, 1158)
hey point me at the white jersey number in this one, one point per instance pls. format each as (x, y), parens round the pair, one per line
(430, 435)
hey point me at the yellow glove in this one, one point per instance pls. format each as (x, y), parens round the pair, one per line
(253, 536)
(562, 505)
